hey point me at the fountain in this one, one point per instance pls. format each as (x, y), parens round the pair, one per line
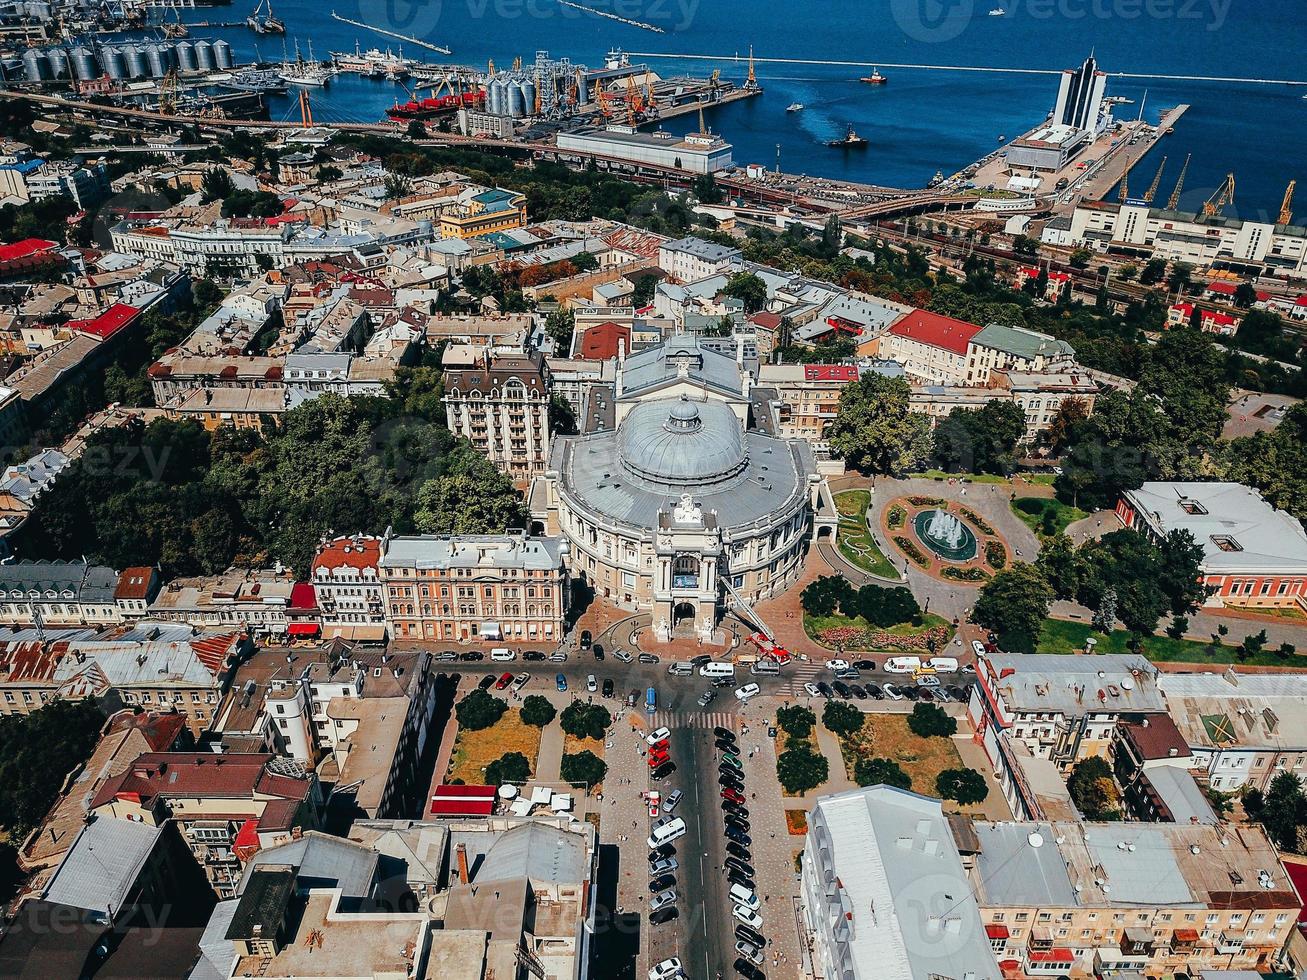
(945, 535)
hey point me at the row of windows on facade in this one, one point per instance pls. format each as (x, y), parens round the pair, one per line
(1212, 918)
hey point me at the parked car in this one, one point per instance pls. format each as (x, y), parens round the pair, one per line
(824, 689)
(662, 883)
(842, 689)
(749, 935)
(750, 952)
(875, 693)
(521, 680)
(735, 878)
(487, 682)
(725, 733)
(700, 660)
(663, 771)
(707, 698)
(837, 665)
(560, 682)
(586, 639)
(725, 746)
(668, 969)
(662, 866)
(748, 916)
(664, 915)
(859, 691)
(622, 656)
(928, 680)
(598, 651)
(471, 656)
(533, 655)
(608, 687)
(812, 690)
(734, 795)
(447, 655)
(849, 675)
(504, 680)
(747, 970)
(649, 658)
(732, 761)
(739, 851)
(977, 648)
(892, 692)
(673, 800)
(739, 836)
(591, 684)
(731, 862)
(865, 664)
(658, 735)
(558, 657)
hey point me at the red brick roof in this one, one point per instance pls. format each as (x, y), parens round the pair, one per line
(134, 583)
(158, 729)
(24, 248)
(599, 343)
(936, 330)
(1156, 736)
(830, 372)
(209, 775)
(766, 320)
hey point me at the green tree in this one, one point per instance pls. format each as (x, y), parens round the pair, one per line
(706, 189)
(982, 440)
(1153, 272)
(749, 289)
(583, 767)
(472, 496)
(1092, 789)
(930, 720)
(479, 710)
(562, 417)
(875, 431)
(842, 718)
(797, 720)
(1284, 811)
(511, 767)
(800, 769)
(826, 594)
(1274, 462)
(875, 772)
(881, 605)
(1079, 258)
(537, 711)
(560, 325)
(1024, 245)
(963, 785)
(397, 186)
(584, 720)
(1061, 565)
(215, 185)
(37, 751)
(1014, 604)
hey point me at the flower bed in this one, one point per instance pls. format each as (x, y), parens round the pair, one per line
(859, 638)
(977, 520)
(909, 548)
(927, 501)
(995, 554)
(896, 518)
(972, 574)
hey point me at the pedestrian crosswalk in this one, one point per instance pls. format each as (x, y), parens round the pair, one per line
(694, 719)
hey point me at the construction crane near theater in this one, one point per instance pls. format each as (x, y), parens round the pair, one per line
(1157, 179)
(1174, 202)
(1222, 196)
(1286, 206)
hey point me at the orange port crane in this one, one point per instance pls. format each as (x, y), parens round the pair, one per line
(1157, 179)
(1174, 202)
(1222, 196)
(1286, 206)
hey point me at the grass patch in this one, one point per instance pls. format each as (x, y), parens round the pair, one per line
(1060, 636)
(473, 751)
(854, 539)
(960, 477)
(572, 745)
(796, 822)
(887, 736)
(1032, 511)
(814, 626)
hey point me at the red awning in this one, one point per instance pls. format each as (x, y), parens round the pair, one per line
(1052, 956)
(462, 808)
(303, 629)
(996, 931)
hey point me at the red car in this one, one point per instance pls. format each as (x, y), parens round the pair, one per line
(734, 795)
(504, 680)
(656, 757)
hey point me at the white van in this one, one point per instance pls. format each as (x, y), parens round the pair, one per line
(744, 896)
(765, 667)
(502, 653)
(903, 665)
(943, 665)
(667, 833)
(717, 668)
(681, 669)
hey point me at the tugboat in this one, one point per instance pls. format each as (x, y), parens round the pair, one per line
(794, 107)
(936, 180)
(875, 78)
(851, 141)
(268, 23)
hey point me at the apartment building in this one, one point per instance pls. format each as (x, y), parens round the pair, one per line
(475, 587)
(1040, 395)
(808, 396)
(490, 211)
(225, 805)
(884, 893)
(1241, 729)
(939, 350)
(692, 259)
(252, 600)
(347, 582)
(73, 593)
(1096, 900)
(501, 406)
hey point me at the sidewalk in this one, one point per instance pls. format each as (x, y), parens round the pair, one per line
(550, 759)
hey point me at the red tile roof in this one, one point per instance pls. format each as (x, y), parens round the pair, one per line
(213, 651)
(352, 552)
(107, 323)
(1224, 288)
(599, 343)
(134, 583)
(160, 730)
(766, 320)
(28, 246)
(936, 330)
(209, 775)
(830, 372)
(1156, 736)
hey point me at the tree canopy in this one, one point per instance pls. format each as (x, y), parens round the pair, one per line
(1092, 789)
(963, 785)
(537, 710)
(841, 717)
(800, 768)
(511, 767)
(583, 767)
(930, 720)
(480, 709)
(37, 752)
(875, 431)
(585, 720)
(980, 440)
(1014, 604)
(875, 771)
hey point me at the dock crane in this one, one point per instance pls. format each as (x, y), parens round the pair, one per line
(1220, 198)
(1123, 193)
(752, 81)
(1174, 202)
(1286, 206)
(1157, 179)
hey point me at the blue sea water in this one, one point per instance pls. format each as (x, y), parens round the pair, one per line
(921, 120)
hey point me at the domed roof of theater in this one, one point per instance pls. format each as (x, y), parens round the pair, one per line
(682, 443)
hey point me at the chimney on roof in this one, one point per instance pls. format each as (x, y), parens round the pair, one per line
(461, 853)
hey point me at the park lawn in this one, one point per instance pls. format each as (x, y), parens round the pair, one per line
(887, 736)
(854, 540)
(940, 475)
(1064, 514)
(815, 625)
(572, 745)
(1061, 636)
(473, 751)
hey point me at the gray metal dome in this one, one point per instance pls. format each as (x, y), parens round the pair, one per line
(681, 443)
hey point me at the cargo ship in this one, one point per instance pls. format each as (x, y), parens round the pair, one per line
(429, 108)
(850, 141)
(875, 78)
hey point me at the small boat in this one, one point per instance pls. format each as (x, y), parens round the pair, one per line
(1002, 138)
(997, 12)
(936, 180)
(794, 107)
(850, 141)
(265, 22)
(875, 78)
